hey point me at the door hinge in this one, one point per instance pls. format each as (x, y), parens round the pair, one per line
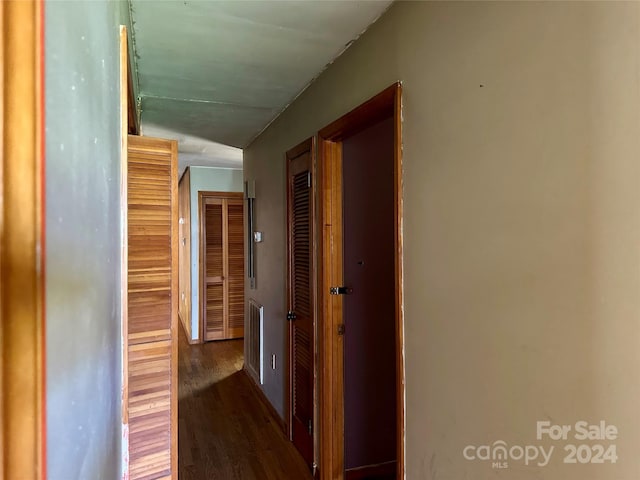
(310, 426)
(340, 290)
(291, 316)
(309, 179)
(341, 329)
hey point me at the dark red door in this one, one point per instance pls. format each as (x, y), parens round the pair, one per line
(300, 298)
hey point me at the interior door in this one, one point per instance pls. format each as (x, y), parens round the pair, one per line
(152, 303)
(223, 265)
(301, 305)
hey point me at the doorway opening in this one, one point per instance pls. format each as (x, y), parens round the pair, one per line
(360, 298)
(221, 217)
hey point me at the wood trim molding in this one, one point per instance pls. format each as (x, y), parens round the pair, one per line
(175, 295)
(184, 260)
(277, 419)
(22, 242)
(201, 282)
(184, 329)
(331, 458)
(305, 146)
(221, 195)
(399, 281)
(124, 239)
(381, 470)
(387, 103)
(377, 108)
(133, 120)
(2, 229)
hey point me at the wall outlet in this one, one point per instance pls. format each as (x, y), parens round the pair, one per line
(273, 361)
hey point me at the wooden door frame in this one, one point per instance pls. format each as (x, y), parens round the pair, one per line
(175, 292)
(386, 104)
(202, 195)
(22, 242)
(309, 145)
(124, 240)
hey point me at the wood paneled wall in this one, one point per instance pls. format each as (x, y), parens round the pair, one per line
(152, 306)
(184, 282)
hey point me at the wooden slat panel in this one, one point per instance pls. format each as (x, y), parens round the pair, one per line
(302, 381)
(235, 239)
(152, 307)
(213, 236)
(301, 232)
(300, 387)
(235, 269)
(215, 312)
(214, 267)
(235, 309)
(302, 402)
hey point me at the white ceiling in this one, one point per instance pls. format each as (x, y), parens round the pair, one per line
(196, 152)
(221, 71)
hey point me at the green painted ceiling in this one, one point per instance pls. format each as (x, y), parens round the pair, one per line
(221, 71)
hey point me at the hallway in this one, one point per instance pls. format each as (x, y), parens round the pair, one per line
(224, 430)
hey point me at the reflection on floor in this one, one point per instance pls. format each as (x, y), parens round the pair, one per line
(224, 431)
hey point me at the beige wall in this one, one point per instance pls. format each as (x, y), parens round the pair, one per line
(522, 223)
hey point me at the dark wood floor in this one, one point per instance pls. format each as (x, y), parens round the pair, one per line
(224, 430)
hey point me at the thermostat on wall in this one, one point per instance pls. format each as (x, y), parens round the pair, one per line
(257, 237)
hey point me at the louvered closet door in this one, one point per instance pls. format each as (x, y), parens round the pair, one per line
(235, 268)
(223, 261)
(214, 269)
(300, 298)
(152, 308)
